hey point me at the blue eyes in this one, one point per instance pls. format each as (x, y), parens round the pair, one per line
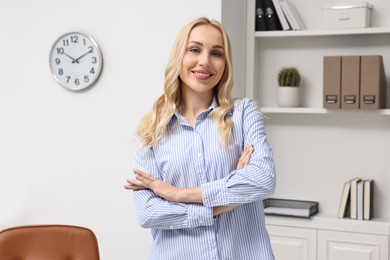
(213, 53)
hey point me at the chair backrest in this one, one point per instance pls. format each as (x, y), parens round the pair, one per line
(48, 242)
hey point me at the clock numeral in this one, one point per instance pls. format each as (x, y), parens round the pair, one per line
(76, 82)
(90, 49)
(60, 50)
(86, 79)
(94, 60)
(92, 71)
(60, 71)
(65, 42)
(74, 39)
(58, 61)
(67, 79)
(85, 42)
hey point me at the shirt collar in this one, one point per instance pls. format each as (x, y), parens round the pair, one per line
(177, 116)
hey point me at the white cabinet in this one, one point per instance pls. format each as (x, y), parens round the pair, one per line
(333, 245)
(309, 244)
(324, 238)
(293, 243)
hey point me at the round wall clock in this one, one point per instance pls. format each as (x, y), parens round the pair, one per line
(75, 61)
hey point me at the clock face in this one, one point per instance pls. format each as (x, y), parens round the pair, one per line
(75, 61)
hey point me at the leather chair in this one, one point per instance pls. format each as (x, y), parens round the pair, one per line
(48, 242)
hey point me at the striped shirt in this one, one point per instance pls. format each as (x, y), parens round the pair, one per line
(189, 157)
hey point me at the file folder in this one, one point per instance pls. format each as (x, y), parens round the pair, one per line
(331, 82)
(350, 82)
(372, 82)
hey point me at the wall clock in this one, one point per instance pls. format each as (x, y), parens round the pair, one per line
(75, 61)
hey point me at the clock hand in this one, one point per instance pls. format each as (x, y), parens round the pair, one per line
(77, 60)
(73, 60)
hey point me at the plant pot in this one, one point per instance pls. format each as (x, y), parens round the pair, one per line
(288, 97)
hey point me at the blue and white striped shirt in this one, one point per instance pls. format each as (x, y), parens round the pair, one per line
(189, 157)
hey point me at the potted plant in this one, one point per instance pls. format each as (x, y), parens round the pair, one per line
(288, 94)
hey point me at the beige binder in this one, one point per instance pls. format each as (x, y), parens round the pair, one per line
(332, 82)
(350, 82)
(372, 82)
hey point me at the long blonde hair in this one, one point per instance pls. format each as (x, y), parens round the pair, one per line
(155, 123)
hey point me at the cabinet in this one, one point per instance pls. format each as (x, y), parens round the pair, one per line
(317, 150)
(308, 243)
(293, 243)
(333, 245)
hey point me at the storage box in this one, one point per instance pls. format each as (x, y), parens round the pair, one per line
(346, 14)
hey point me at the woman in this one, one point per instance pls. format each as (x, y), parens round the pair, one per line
(204, 165)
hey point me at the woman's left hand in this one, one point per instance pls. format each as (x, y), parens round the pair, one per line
(144, 181)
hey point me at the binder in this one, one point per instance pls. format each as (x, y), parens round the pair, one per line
(260, 16)
(271, 18)
(372, 82)
(350, 82)
(332, 82)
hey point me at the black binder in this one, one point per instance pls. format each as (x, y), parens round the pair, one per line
(260, 16)
(271, 18)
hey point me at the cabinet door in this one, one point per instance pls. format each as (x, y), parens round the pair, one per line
(334, 245)
(292, 243)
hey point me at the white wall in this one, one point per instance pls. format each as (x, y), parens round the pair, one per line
(64, 156)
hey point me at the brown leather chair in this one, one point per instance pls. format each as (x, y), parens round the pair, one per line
(48, 242)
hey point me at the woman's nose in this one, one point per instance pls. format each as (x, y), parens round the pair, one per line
(204, 59)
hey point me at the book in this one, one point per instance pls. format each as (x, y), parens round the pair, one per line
(360, 197)
(345, 201)
(368, 199)
(260, 24)
(292, 15)
(353, 203)
(281, 15)
(271, 19)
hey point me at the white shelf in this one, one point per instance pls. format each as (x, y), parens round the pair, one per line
(315, 33)
(306, 110)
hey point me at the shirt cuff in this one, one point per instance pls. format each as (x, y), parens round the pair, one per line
(214, 193)
(199, 215)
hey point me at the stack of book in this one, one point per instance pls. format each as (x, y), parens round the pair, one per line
(274, 15)
(357, 199)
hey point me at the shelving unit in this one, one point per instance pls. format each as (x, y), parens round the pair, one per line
(316, 150)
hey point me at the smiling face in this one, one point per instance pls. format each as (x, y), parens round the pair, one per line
(204, 60)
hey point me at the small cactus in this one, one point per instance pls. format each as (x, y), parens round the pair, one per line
(289, 77)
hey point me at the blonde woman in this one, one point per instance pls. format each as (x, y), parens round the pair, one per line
(204, 164)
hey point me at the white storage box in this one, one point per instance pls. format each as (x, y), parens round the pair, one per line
(346, 14)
